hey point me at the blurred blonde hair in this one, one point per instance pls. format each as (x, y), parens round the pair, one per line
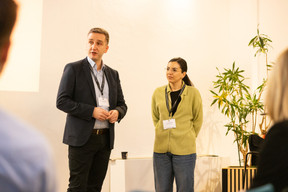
(277, 90)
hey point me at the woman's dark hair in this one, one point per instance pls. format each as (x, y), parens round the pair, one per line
(184, 68)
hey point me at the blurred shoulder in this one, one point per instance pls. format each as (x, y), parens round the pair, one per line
(160, 89)
(192, 90)
(110, 70)
(279, 128)
(25, 155)
(77, 63)
(20, 135)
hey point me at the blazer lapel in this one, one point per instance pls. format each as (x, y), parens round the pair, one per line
(88, 76)
(110, 81)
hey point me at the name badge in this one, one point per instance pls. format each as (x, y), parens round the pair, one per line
(103, 102)
(169, 124)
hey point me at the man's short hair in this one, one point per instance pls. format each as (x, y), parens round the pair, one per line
(8, 14)
(101, 31)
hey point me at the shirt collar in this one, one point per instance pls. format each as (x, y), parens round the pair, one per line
(92, 63)
(184, 92)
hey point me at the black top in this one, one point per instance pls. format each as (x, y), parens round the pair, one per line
(174, 95)
(273, 158)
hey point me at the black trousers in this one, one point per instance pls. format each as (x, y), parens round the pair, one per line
(88, 164)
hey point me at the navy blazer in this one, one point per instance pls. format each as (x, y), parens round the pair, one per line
(76, 97)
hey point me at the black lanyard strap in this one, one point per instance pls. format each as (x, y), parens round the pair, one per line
(174, 104)
(97, 82)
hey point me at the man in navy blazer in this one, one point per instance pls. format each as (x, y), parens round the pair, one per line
(90, 93)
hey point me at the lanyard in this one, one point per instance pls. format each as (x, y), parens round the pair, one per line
(97, 82)
(174, 104)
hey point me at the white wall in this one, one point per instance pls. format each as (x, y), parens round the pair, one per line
(144, 36)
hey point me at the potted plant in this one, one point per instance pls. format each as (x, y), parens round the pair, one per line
(238, 102)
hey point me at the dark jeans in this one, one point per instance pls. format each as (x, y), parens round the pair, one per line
(88, 164)
(168, 166)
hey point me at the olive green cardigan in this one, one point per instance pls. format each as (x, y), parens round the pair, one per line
(189, 117)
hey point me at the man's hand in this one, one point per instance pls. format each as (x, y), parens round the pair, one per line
(113, 116)
(100, 114)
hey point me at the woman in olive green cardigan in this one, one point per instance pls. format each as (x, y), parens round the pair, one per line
(177, 116)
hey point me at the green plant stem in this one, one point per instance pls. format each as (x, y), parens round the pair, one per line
(238, 147)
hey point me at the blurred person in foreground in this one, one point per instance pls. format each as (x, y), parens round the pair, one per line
(26, 163)
(272, 165)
